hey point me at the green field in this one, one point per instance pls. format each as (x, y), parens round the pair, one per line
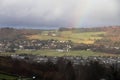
(7, 77)
(10, 77)
(57, 53)
(85, 37)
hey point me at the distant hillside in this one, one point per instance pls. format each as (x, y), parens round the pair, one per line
(111, 38)
(30, 31)
(10, 34)
(100, 35)
(93, 29)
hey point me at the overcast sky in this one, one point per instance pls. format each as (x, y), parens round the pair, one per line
(59, 13)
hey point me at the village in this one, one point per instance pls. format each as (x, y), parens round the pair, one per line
(12, 46)
(77, 60)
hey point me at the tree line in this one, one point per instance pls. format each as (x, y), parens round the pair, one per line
(62, 70)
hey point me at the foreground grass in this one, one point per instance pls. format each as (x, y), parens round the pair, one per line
(10, 77)
(7, 77)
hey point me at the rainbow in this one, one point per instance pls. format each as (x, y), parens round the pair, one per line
(84, 10)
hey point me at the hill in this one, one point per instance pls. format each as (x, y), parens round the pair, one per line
(10, 34)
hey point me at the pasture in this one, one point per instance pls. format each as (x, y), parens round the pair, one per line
(84, 53)
(84, 37)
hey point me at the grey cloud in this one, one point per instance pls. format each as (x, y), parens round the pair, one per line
(59, 13)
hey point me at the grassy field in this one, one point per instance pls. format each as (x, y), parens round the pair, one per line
(57, 53)
(86, 37)
(8, 77)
